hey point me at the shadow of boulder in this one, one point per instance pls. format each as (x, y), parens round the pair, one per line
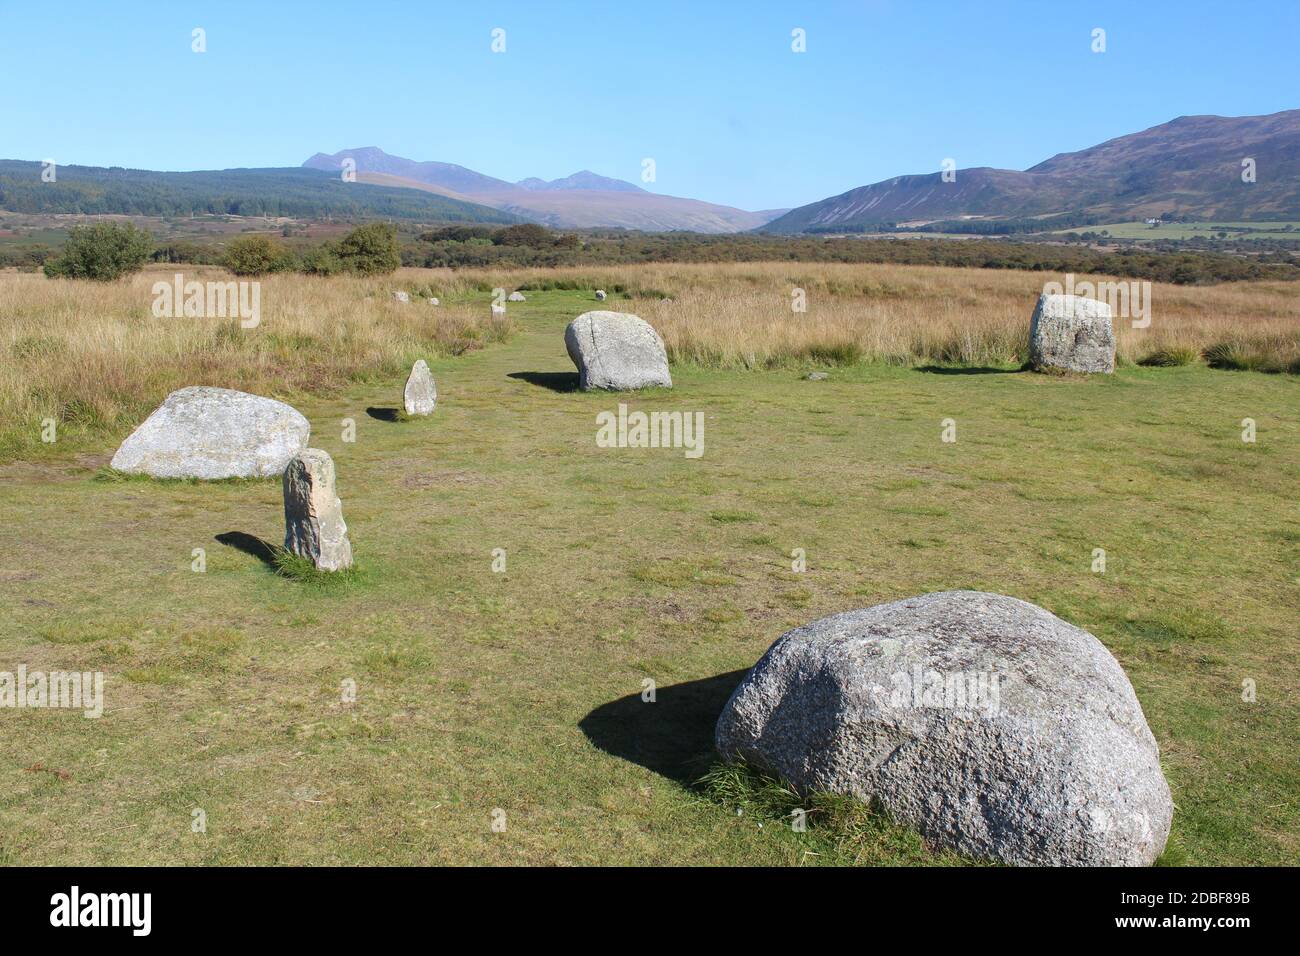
(385, 414)
(673, 736)
(555, 381)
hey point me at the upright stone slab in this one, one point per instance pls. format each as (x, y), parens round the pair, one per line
(421, 394)
(1072, 333)
(313, 514)
(988, 724)
(212, 433)
(616, 350)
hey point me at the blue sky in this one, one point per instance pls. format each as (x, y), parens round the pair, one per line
(710, 89)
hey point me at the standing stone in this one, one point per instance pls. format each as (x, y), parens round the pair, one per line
(516, 297)
(1073, 333)
(313, 514)
(616, 350)
(212, 433)
(600, 295)
(987, 723)
(421, 394)
(401, 297)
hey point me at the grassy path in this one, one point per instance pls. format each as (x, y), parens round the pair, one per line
(519, 691)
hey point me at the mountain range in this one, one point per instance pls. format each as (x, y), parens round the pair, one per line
(582, 201)
(1191, 167)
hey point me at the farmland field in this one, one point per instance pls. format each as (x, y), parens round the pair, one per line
(519, 690)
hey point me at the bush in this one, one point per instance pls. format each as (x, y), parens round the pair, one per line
(255, 256)
(321, 261)
(524, 234)
(104, 252)
(370, 249)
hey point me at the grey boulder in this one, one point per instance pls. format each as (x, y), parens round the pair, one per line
(1073, 333)
(211, 433)
(421, 393)
(313, 514)
(615, 350)
(516, 297)
(986, 723)
(600, 294)
(401, 297)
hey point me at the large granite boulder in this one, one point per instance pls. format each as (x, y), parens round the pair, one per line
(1072, 333)
(313, 514)
(615, 350)
(421, 393)
(987, 723)
(210, 433)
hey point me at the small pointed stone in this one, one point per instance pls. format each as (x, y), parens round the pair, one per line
(313, 514)
(421, 394)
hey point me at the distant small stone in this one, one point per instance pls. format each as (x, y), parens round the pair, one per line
(600, 294)
(313, 515)
(421, 394)
(401, 297)
(816, 376)
(434, 301)
(665, 301)
(1072, 333)
(516, 297)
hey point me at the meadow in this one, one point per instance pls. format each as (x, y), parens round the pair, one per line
(515, 695)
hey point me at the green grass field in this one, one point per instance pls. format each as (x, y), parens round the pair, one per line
(1193, 230)
(520, 691)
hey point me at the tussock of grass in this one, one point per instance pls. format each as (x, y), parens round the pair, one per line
(1170, 356)
(297, 568)
(839, 830)
(1274, 354)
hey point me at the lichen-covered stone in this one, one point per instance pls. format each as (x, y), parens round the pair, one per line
(987, 723)
(212, 433)
(313, 514)
(615, 350)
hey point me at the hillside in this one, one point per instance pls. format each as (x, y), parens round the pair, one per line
(1190, 167)
(294, 192)
(581, 201)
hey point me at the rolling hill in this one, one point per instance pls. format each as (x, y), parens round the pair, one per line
(582, 200)
(1190, 167)
(293, 192)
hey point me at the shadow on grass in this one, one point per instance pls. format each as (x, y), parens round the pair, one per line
(264, 551)
(673, 736)
(385, 414)
(555, 381)
(967, 370)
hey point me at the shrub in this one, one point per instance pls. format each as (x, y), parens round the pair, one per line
(321, 261)
(370, 249)
(104, 252)
(524, 234)
(255, 256)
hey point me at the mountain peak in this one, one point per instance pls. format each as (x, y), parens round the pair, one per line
(582, 179)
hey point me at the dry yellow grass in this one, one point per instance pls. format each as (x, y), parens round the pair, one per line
(93, 357)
